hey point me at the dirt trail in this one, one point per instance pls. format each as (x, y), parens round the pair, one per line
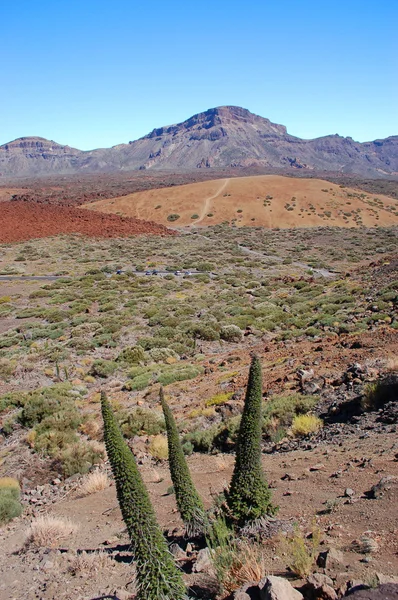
(206, 205)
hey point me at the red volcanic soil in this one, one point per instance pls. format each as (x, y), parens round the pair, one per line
(21, 221)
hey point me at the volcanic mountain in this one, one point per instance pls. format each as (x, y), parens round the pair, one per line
(227, 136)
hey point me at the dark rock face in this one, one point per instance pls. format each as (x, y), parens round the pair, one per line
(388, 591)
(227, 136)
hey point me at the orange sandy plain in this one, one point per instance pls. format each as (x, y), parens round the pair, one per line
(265, 200)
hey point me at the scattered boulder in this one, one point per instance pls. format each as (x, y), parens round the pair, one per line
(203, 562)
(277, 588)
(319, 587)
(269, 588)
(377, 491)
(331, 559)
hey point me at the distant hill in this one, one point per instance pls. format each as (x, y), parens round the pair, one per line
(227, 136)
(265, 201)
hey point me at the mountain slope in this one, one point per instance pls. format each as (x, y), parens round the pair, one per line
(227, 136)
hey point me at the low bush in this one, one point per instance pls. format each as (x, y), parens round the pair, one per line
(237, 563)
(103, 368)
(10, 506)
(279, 411)
(301, 551)
(303, 425)
(45, 402)
(132, 355)
(180, 373)
(80, 457)
(218, 399)
(141, 421)
(158, 448)
(231, 333)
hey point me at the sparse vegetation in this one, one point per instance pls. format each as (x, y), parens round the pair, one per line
(301, 551)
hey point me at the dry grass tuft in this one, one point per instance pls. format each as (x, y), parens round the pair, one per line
(239, 563)
(94, 482)
(158, 448)
(89, 563)
(47, 531)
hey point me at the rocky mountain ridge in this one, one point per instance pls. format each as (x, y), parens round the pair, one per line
(222, 137)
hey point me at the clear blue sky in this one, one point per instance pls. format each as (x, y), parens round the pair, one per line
(94, 73)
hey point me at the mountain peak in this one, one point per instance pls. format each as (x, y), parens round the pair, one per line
(220, 137)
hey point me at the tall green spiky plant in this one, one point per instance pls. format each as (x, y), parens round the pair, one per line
(158, 578)
(248, 497)
(188, 500)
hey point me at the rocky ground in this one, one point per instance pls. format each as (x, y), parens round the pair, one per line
(344, 479)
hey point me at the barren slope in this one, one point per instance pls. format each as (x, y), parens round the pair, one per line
(28, 220)
(267, 201)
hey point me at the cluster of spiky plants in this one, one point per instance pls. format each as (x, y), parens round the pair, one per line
(248, 497)
(188, 500)
(158, 578)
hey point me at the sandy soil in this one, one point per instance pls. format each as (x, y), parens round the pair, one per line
(266, 200)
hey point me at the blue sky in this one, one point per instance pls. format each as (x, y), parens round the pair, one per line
(94, 73)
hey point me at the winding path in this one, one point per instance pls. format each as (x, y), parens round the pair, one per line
(206, 205)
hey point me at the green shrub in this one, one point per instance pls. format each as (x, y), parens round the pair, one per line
(162, 354)
(50, 442)
(42, 403)
(231, 333)
(248, 497)
(179, 374)
(205, 332)
(141, 421)
(305, 424)
(173, 217)
(7, 368)
(132, 355)
(103, 368)
(10, 506)
(79, 458)
(279, 411)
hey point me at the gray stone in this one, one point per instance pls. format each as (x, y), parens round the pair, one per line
(203, 562)
(177, 552)
(269, 588)
(388, 591)
(331, 559)
(277, 588)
